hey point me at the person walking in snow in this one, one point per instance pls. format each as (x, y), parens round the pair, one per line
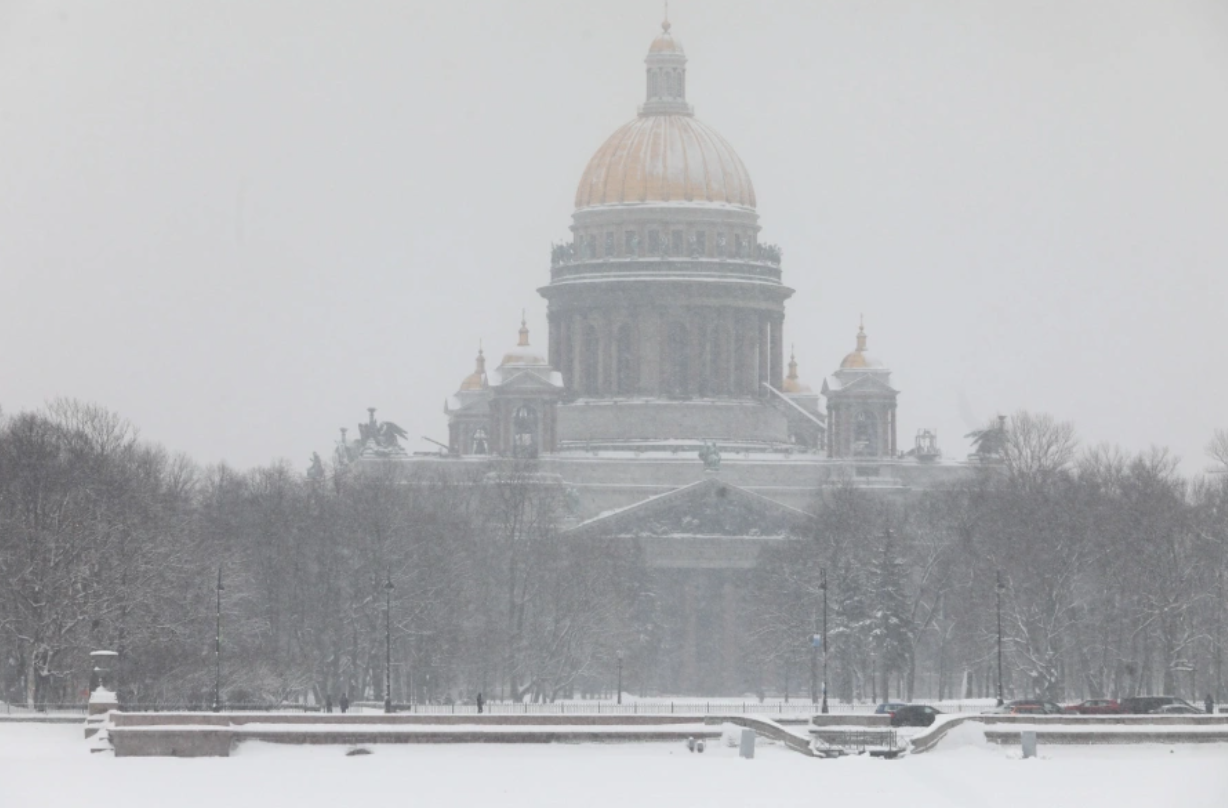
(344, 702)
(480, 702)
(1209, 704)
(328, 703)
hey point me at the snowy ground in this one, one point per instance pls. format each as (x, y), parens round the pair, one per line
(44, 766)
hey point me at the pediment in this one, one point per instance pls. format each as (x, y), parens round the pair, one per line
(526, 381)
(863, 385)
(708, 508)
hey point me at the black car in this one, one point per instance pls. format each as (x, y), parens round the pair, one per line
(1139, 705)
(914, 715)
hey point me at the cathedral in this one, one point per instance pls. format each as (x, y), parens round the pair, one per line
(666, 317)
(663, 398)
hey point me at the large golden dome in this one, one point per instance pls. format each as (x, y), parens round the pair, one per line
(665, 155)
(665, 158)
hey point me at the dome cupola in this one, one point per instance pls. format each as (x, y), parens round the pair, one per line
(477, 379)
(665, 154)
(666, 76)
(859, 359)
(792, 383)
(523, 354)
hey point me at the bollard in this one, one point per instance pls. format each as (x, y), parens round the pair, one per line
(699, 745)
(1028, 738)
(690, 744)
(747, 748)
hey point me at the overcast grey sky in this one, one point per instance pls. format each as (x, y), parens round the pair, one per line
(239, 224)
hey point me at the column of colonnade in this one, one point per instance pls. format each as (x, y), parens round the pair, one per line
(743, 349)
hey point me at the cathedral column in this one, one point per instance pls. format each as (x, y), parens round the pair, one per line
(750, 353)
(611, 353)
(765, 355)
(690, 632)
(730, 633)
(555, 337)
(831, 431)
(777, 357)
(648, 337)
(729, 381)
(576, 341)
(560, 341)
(891, 431)
(603, 353)
(695, 352)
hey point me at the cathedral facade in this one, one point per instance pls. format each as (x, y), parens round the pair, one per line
(666, 311)
(662, 399)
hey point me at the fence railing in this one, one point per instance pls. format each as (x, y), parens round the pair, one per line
(162, 707)
(795, 709)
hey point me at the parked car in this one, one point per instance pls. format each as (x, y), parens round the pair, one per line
(914, 715)
(1179, 709)
(1029, 707)
(889, 707)
(1094, 707)
(1141, 705)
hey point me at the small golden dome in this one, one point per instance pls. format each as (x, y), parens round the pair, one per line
(855, 360)
(665, 42)
(859, 359)
(523, 354)
(477, 379)
(792, 384)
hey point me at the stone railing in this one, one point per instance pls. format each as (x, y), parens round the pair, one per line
(567, 253)
(652, 267)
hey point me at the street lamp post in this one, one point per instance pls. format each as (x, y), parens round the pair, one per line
(620, 677)
(814, 656)
(217, 647)
(388, 644)
(999, 587)
(823, 586)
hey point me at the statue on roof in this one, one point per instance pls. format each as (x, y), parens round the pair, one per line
(710, 455)
(346, 451)
(315, 473)
(380, 439)
(989, 444)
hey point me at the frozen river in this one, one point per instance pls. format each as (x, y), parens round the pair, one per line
(49, 765)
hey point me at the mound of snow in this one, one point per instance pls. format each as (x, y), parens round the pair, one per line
(968, 735)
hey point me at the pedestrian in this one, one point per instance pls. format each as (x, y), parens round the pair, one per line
(345, 702)
(328, 703)
(480, 702)
(1210, 704)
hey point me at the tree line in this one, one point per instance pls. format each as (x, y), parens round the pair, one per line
(1112, 566)
(1109, 568)
(107, 542)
